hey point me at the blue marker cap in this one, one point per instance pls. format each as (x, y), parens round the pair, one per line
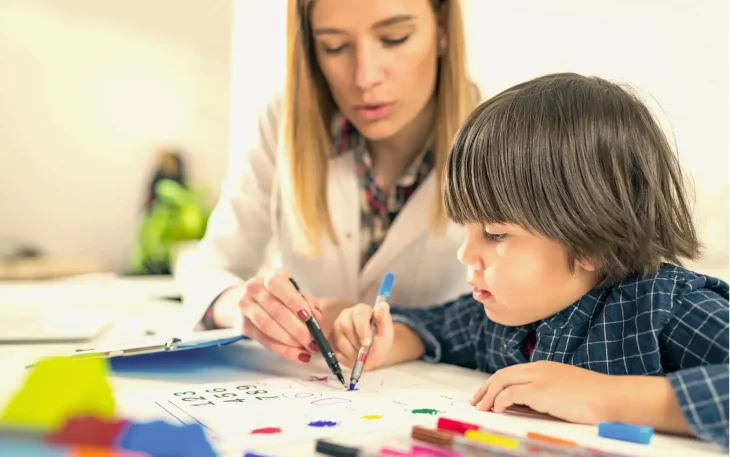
(625, 432)
(387, 285)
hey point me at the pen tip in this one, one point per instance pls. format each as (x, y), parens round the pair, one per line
(352, 386)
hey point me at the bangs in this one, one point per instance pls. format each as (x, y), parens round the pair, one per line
(491, 176)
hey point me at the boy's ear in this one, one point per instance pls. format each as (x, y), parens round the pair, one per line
(585, 265)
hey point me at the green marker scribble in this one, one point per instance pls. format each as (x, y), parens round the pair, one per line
(430, 412)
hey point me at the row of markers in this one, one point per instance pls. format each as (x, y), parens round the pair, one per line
(452, 438)
(91, 436)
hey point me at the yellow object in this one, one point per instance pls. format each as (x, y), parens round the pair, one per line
(494, 440)
(59, 388)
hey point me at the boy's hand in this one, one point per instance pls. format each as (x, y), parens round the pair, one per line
(352, 331)
(563, 391)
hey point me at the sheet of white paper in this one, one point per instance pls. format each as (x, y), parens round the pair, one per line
(258, 412)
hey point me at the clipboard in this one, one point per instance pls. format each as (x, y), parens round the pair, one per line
(156, 345)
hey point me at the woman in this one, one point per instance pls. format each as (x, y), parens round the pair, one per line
(374, 93)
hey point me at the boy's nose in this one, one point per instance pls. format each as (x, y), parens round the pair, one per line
(469, 256)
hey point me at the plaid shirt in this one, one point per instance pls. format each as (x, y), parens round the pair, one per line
(673, 323)
(378, 206)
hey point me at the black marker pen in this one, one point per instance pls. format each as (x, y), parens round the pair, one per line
(324, 346)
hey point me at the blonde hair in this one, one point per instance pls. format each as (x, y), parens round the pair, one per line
(309, 111)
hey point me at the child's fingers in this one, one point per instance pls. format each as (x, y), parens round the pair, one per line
(345, 337)
(361, 317)
(480, 393)
(383, 320)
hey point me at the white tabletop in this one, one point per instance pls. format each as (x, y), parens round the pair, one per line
(248, 361)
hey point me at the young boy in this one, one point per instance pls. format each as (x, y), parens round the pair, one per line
(573, 201)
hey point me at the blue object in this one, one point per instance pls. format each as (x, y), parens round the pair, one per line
(162, 439)
(252, 454)
(17, 448)
(625, 432)
(386, 286)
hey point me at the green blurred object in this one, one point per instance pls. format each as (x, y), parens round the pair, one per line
(178, 214)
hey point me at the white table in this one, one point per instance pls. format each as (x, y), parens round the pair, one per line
(228, 366)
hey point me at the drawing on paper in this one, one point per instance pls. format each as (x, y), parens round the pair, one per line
(429, 411)
(266, 431)
(291, 409)
(322, 424)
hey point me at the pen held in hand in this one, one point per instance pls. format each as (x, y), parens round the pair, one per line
(362, 356)
(324, 347)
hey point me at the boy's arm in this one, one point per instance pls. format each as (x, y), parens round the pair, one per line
(694, 345)
(446, 332)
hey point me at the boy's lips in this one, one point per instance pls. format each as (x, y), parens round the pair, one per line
(479, 293)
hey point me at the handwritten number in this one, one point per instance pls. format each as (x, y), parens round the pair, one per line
(262, 398)
(245, 387)
(227, 394)
(201, 404)
(256, 392)
(182, 394)
(193, 398)
(237, 400)
(217, 389)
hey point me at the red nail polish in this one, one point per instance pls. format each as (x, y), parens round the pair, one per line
(313, 346)
(304, 357)
(303, 314)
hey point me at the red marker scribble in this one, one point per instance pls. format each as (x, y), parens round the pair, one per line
(266, 431)
(319, 378)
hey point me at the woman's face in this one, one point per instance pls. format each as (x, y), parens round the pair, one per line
(379, 58)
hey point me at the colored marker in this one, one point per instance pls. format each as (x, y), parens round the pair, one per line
(362, 356)
(625, 432)
(534, 440)
(473, 440)
(324, 347)
(338, 450)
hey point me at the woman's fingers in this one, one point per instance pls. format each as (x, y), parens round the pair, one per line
(294, 354)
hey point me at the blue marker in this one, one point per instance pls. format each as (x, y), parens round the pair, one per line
(383, 296)
(625, 432)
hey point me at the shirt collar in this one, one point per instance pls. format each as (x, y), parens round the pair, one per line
(580, 311)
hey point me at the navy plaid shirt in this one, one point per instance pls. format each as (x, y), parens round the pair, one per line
(673, 323)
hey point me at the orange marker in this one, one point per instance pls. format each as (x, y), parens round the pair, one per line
(550, 439)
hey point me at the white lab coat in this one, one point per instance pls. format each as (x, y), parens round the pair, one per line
(247, 219)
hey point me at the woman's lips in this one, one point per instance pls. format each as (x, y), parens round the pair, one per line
(374, 112)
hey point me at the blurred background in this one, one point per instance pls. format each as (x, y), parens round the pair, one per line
(100, 100)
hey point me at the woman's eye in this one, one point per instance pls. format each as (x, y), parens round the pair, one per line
(494, 236)
(395, 41)
(333, 49)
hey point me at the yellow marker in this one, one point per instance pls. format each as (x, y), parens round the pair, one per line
(372, 417)
(59, 388)
(493, 440)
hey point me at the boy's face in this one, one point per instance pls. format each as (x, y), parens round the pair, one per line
(521, 277)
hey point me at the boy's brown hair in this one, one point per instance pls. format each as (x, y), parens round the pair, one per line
(581, 161)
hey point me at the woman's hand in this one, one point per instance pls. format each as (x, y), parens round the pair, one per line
(352, 330)
(273, 313)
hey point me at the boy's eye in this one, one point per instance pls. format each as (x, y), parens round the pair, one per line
(395, 41)
(494, 236)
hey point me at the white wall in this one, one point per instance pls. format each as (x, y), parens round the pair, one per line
(674, 50)
(89, 90)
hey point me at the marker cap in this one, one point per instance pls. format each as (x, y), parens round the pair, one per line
(625, 432)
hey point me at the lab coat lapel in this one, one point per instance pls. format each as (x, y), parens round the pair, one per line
(343, 202)
(412, 221)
